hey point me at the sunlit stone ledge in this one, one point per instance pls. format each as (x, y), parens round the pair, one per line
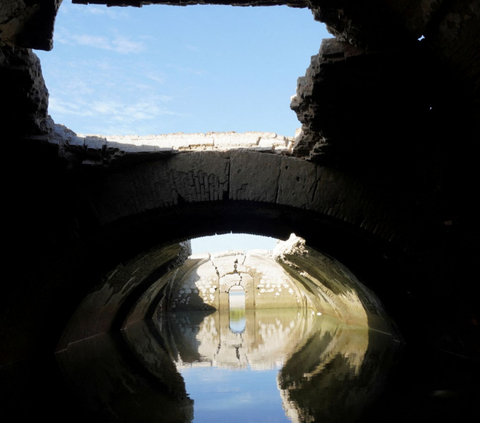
(211, 140)
(102, 150)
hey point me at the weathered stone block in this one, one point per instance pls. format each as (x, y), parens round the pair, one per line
(254, 176)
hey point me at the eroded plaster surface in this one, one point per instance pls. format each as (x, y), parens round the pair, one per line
(207, 284)
(293, 276)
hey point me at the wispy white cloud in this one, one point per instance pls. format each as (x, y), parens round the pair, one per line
(95, 10)
(61, 107)
(123, 45)
(78, 86)
(105, 11)
(157, 77)
(117, 43)
(61, 35)
(90, 40)
(111, 111)
(109, 118)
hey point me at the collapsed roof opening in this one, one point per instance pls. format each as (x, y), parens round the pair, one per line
(163, 69)
(429, 233)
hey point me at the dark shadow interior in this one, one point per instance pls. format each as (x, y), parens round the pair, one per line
(382, 178)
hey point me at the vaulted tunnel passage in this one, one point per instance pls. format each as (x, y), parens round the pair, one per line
(129, 292)
(380, 179)
(154, 336)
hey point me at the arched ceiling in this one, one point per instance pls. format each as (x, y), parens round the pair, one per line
(390, 195)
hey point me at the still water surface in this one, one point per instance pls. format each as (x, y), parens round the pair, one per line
(227, 395)
(284, 365)
(275, 365)
(264, 366)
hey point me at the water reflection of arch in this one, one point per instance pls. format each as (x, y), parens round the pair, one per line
(320, 357)
(336, 372)
(231, 281)
(268, 339)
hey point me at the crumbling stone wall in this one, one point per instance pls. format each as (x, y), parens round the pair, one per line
(292, 276)
(25, 96)
(207, 284)
(107, 151)
(125, 295)
(403, 206)
(331, 287)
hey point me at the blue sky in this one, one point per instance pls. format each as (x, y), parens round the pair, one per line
(238, 242)
(166, 69)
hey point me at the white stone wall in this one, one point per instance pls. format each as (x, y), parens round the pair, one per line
(101, 150)
(208, 283)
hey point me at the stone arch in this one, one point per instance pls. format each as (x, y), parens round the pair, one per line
(192, 180)
(418, 247)
(139, 209)
(236, 289)
(134, 219)
(227, 282)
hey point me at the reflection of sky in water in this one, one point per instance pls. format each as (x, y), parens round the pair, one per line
(235, 394)
(232, 395)
(237, 310)
(238, 325)
(288, 365)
